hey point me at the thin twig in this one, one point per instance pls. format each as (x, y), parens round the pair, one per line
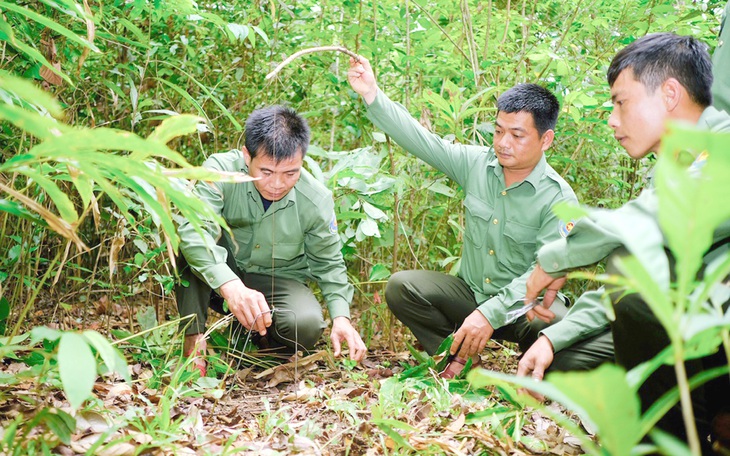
(296, 55)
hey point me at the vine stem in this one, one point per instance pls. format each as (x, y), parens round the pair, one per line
(298, 54)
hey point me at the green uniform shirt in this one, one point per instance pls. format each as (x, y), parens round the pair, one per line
(296, 238)
(721, 66)
(504, 225)
(596, 236)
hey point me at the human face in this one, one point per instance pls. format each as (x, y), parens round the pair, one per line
(276, 178)
(638, 117)
(517, 143)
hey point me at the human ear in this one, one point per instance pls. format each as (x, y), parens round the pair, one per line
(547, 139)
(671, 93)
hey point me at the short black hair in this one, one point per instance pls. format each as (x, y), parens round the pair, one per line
(533, 99)
(277, 131)
(657, 57)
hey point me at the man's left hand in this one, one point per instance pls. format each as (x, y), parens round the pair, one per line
(342, 330)
(472, 336)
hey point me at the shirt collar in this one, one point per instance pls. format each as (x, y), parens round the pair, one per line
(533, 178)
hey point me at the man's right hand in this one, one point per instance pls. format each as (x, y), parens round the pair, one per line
(536, 360)
(362, 79)
(539, 280)
(247, 304)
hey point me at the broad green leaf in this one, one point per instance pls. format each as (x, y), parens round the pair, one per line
(175, 126)
(77, 368)
(568, 211)
(108, 354)
(40, 333)
(379, 272)
(692, 203)
(147, 318)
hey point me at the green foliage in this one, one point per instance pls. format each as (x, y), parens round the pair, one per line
(112, 168)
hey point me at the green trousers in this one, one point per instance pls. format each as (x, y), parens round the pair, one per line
(297, 319)
(433, 305)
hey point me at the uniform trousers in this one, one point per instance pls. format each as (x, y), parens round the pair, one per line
(298, 315)
(433, 305)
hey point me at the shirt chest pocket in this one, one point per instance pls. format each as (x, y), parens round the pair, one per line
(287, 253)
(519, 246)
(478, 216)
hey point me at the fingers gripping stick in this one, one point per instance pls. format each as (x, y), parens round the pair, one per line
(239, 330)
(513, 315)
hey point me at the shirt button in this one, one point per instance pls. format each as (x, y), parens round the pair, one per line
(491, 252)
(258, 246)
(556, 266)
(487, 280)
(504, 192)
(495, 221)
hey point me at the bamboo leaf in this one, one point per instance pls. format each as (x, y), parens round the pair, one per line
(175, 126)
(48, 23)
(60, 199)
(37, 125)
(210, 95)
(29, 91)
(18, 210)
(184, 93)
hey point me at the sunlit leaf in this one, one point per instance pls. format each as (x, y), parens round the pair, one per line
(77, 368)
(175, 126)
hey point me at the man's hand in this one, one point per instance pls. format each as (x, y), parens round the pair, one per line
(472, 336)
(540, 280)
(342, 330)
(246, 305)
(362, 79)
(535, 361)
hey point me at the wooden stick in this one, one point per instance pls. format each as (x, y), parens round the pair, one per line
(298, 54)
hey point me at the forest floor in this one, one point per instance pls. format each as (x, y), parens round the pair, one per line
(313, 404)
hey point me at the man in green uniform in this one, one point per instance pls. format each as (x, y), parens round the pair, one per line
(656, 79)
(283, 234)
(510, 191)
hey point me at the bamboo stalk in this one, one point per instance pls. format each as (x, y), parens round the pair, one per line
(298, 54)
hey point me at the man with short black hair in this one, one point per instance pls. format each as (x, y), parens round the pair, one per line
(656, 79)
(510, 191)
(283, 235)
